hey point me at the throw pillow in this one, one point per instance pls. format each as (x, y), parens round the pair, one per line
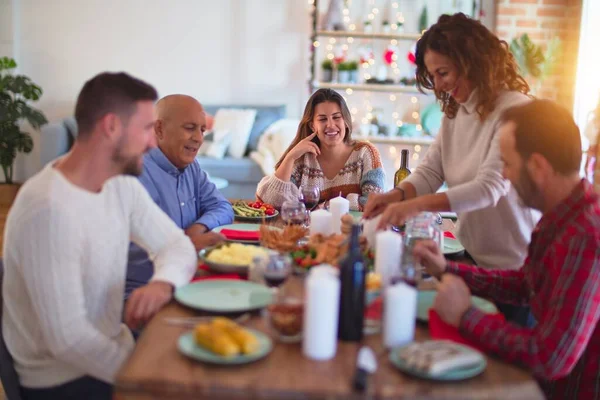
(238, 122)
(217, 147)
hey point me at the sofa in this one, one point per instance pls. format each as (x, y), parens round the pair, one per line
(242, 174)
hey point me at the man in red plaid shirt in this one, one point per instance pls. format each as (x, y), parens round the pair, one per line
(560, 279)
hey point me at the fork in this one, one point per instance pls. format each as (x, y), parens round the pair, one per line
(193, 321)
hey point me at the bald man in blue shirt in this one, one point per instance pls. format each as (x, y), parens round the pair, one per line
(176, 183)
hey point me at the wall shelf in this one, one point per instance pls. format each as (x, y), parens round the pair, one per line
(365, 35)
(371, 87)
(423, 140)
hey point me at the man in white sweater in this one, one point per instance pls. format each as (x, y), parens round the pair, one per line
(66, 242)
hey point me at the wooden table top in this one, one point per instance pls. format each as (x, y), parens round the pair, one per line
(156, 370)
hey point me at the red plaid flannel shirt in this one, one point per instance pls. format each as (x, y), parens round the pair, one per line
(560, 280)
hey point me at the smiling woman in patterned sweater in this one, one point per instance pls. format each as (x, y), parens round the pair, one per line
(323, 154)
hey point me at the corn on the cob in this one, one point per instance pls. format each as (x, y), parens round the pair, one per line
(243, 338)
(215, 340)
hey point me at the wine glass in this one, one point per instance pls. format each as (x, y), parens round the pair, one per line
(293, 212)
(310, 196)
(277, 269)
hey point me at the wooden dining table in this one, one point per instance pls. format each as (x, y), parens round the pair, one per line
(157, 370)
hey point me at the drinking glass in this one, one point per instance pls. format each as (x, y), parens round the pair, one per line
(276, 270)
(293, 212)
(310, 196)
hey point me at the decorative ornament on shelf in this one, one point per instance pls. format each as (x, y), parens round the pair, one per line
(327, 69)
(334, 18)
(423, 20)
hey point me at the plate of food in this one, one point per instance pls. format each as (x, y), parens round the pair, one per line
(425, 302)
(253, 211)
(231, 258)
(321, 249)
(438, 360)
(224, 295)
(452, 247)
(224, 342)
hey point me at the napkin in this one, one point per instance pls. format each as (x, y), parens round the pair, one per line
(438, 329)
(232, 234)
(205, 268)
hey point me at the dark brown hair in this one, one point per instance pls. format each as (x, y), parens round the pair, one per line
(544, 127)
(109, 93)
(304, 128)
(478, 54)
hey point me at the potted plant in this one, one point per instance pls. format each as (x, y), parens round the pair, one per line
(343, 75)
(534, 63)
(353, 71)
(367, 27)
(15, 92)
(327, 68)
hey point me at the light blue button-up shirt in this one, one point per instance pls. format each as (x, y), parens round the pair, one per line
(187, 196)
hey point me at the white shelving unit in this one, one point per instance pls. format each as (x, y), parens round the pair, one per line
(370, 87)
(366, 35)
(400, 140)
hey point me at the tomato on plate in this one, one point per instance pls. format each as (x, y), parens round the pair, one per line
(270, 211)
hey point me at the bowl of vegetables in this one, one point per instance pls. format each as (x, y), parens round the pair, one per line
(255, 211)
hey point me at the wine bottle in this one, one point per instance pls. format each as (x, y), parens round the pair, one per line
(403, 172)
(352, 292)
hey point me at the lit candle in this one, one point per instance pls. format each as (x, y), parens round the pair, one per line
(400, 309)
(320, 222)
(338, 207)
(388, 255)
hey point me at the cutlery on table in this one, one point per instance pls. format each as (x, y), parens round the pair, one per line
(366, 364)
(193, 321)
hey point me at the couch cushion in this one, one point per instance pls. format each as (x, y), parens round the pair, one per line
(232, 169)
(265, 116)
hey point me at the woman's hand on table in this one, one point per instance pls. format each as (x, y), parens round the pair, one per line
(377, 203)
(429, 255)
(145, 302)
(453, 299)
(396, 214)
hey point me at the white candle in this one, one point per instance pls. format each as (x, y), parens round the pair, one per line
(400, 309)
(321, 312)
(320, 222)
(338, 207)
(388, 255)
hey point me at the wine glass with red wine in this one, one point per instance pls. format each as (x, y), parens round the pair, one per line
(310, 196)
(276, 271)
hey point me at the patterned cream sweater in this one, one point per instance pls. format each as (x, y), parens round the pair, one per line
(362, 174)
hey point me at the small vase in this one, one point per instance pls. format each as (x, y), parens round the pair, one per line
(343, 76)
(327, 75)
(8, 193)
(354, 76)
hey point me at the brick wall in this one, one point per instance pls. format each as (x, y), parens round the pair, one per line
(542, 20)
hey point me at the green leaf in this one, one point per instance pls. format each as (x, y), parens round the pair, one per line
(7, 63)
(16, 93)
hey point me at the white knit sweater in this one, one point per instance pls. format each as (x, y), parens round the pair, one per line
(65, 255)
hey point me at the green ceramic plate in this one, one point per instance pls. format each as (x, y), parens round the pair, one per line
(188, 346)
(452, 247)
(356, 214)
(425, 302)
(454, 375)
(256, 219)
(224, 295)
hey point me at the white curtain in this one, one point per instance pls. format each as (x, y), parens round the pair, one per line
(587, 86)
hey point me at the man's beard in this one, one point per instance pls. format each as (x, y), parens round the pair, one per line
(129, 165)
(529, 193)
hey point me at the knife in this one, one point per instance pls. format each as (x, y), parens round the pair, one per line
(366, 363)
